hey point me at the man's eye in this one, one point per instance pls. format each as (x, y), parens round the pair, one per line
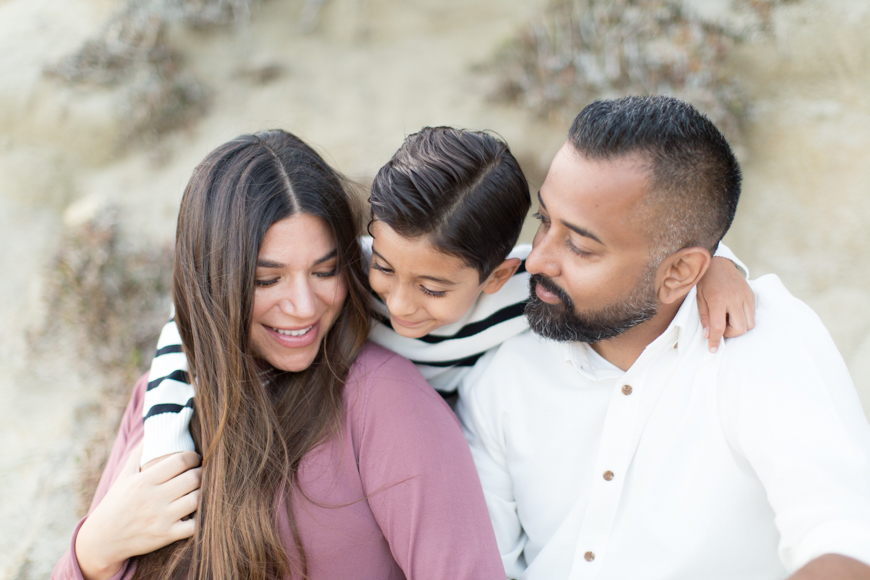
(541, 218)
(436, 294)
(380, 268)
(264, 283)
(575, 250)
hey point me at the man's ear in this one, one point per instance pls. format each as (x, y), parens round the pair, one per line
(500, 275)
(679, 272)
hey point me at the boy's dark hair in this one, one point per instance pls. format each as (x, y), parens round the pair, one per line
(695, 179)
(463, 189)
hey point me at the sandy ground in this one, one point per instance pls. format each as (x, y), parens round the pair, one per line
(373, 71)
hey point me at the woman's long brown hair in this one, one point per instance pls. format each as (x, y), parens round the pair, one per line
(253, 434)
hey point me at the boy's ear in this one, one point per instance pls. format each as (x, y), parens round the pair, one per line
(500, 275)
(679, 272)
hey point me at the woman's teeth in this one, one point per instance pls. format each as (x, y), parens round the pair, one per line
(299, 332)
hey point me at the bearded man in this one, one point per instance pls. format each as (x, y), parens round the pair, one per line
(611, 444)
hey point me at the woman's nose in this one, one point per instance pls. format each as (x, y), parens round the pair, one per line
(300, 300)
(542, 259)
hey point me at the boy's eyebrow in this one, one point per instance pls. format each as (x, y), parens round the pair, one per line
(273, 264)
(432, 278)
(582, 231)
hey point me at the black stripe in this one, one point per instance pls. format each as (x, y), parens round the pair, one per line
(459, 362)
(167, 408)
(506, 313)
(177, 375)
(168, 349)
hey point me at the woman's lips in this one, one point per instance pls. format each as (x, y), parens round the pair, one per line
(546, 295)
(281, 336)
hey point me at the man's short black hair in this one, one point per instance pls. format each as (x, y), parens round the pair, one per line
(695, 178)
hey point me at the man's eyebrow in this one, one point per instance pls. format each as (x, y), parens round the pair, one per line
(276, 265)
(582, 231)
(431, 278)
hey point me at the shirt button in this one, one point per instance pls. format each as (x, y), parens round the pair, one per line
(608, 475)
(589, 556)
(626, 389)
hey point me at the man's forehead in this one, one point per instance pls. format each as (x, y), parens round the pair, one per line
(601, 196)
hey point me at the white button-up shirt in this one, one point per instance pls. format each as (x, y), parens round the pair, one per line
(740, 465)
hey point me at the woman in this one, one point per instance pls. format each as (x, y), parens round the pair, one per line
(323, 456)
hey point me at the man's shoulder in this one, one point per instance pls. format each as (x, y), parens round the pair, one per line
(781, 320)
(513, 363)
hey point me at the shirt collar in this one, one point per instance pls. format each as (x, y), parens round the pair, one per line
(681, 332)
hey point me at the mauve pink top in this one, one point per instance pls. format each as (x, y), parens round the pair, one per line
(394, 496)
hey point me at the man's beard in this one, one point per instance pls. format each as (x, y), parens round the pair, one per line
(562, 322)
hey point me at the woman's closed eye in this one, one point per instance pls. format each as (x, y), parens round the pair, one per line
(266, 283)
(327, 274)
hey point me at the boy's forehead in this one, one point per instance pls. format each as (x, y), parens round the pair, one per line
(417, 257)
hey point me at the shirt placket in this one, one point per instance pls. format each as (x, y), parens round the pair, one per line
(615, 452)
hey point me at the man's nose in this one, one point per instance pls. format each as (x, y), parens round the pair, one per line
(543, 259)
(300, 301)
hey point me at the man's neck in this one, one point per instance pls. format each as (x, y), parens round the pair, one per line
(623, 350)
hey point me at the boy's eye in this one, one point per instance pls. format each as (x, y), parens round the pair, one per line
(380, 268)
(434, 293)
(264, 283)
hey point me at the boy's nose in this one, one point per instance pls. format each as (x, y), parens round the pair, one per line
(399, 302)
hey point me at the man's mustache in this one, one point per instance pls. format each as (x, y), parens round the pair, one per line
(548, 284)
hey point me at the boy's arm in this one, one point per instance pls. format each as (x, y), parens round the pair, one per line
(726, 303)
(168, 400)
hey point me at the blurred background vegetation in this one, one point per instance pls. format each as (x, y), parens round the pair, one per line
(107, 105)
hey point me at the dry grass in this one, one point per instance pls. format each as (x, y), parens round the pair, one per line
(109, 301)
(583, 50)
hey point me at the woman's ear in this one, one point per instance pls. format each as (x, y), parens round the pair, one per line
(500, 275)
(680, 271)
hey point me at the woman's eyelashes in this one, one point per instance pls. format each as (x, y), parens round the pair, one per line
(265, 283)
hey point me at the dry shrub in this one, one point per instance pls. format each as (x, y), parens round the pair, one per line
(108, 301)
(583, 50)
(132, 50)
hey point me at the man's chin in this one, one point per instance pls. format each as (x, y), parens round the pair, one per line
(558, 323)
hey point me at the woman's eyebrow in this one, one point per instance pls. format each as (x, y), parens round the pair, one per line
(276, 265)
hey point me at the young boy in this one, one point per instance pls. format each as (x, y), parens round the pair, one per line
(449, 285)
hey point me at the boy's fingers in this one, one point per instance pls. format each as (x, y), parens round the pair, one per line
(172, 466)
(185, 505)
(718, 324)
(183, 483)
(704, 311)
(182, 529)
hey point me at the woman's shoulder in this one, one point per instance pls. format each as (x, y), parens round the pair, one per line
(381, 381)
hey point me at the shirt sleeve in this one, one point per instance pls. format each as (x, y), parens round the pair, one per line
(420, 481)
(129, 436)
(795, 417)
(723, 251)
(489, 454)
(168, 400)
